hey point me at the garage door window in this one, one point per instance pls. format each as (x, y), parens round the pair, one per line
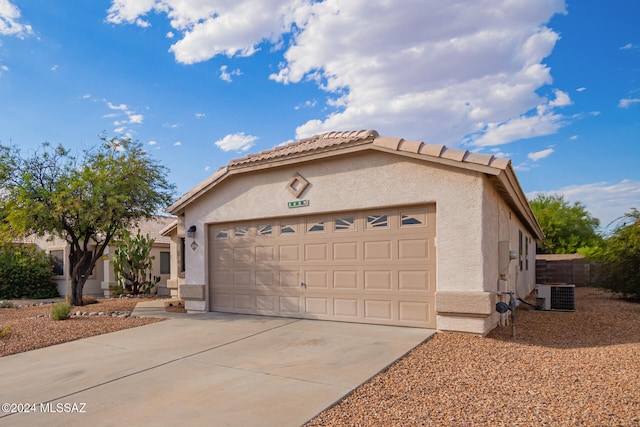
(413, 219)
(377, 221)
(242, 231)
(288, 229)
(315, 227)
(265, 230)
(222, 234)
(345, 224)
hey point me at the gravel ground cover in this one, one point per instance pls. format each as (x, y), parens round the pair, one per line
(577, 368)
(32, 326)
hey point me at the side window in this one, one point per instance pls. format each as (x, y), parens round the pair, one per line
(165, 262)
(57, 258)
(521, 243)
(182, 255)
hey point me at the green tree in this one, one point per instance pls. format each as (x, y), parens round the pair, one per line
(567, 228)
(620, 257)
(85, 202)
(133, 262)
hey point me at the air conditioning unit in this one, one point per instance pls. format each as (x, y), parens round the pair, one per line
(559, 297)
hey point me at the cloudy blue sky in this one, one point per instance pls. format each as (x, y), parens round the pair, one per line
(553, 85)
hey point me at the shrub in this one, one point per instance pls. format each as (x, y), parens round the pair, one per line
(89, 299)
(5, 304)
(25, 272)
(5, 331)
(60, 311)
(620, 257)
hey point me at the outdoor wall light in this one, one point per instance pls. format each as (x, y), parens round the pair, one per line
(191, 232)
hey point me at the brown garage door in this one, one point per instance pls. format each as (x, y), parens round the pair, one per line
(375, 266)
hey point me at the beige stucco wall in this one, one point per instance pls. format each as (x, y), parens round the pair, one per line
(103, 276)
(466, 230)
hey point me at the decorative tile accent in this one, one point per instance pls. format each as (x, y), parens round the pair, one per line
(296, 185)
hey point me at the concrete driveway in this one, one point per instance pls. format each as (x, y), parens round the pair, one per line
(210, 369)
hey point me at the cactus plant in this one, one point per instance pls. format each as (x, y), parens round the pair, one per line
(133, 262)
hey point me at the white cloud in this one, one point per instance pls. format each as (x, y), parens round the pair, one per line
(177, 144)
(116, 107)
(227, 75)
(543, 122)
(604, 200)
(124, 117)
(236, 142)
(153, 142)
(170, 34)
(9, 21)
(628, 102)
(538, 155)
(306, 104)
(464, 68)
(200, 115)
(573, 137)
(136, 118)
(581, 89)
(628, 46)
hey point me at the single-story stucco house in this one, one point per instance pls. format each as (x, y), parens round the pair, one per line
(357, 227)
(103, 275)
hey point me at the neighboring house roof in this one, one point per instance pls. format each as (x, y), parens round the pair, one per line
(498, 170)
(154, 227)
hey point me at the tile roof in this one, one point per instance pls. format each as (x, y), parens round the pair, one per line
(338, 140)
(322, 142)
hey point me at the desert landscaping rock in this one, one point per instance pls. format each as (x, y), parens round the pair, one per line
(33, 327)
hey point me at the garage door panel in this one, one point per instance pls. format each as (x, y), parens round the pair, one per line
(316, 279)
(289, 253)
(265, 279)
(346, 308)
(414, 311)
(265, 254)
(413, 249)
(370, 266)
(266, 303)
(377, 250)
(414, 280)
(223, 277)
(289, 278)
(316, 252)
(345, 251)
(378, 280)
(378, 309)
(289, 305)
(345, 279)
(243, 302)
(242, 277)
(243, 254)
(223, 254)
(317, 306)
